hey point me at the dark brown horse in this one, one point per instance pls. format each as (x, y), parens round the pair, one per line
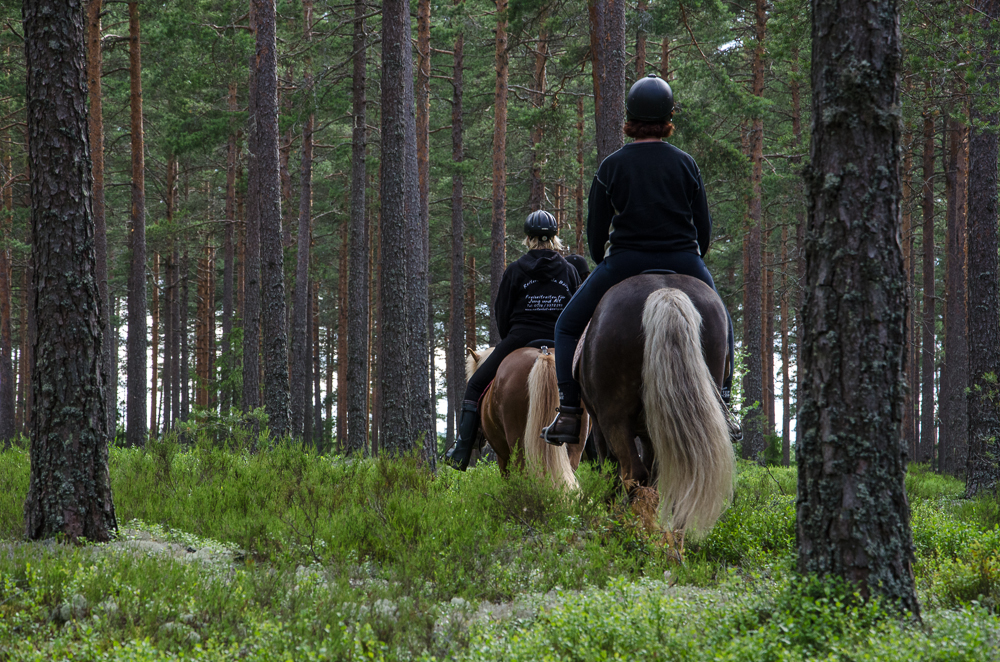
(517, 406)
(650, 366)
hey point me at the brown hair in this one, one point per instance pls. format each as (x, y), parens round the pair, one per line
(640, 130)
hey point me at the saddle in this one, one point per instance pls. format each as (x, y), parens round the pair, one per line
(541, 343)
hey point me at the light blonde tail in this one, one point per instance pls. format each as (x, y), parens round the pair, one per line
(683, 416)
(543, 393)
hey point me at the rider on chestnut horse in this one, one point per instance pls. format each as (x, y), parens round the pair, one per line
(647, 210)
(533, 292)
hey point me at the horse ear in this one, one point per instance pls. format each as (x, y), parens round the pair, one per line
(473, 353)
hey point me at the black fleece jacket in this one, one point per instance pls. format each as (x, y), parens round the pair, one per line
(533, 292)
(648, 197)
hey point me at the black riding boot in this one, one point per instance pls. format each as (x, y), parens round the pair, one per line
(468, 425)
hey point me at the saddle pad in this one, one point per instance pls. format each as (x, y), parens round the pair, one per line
(579, 352)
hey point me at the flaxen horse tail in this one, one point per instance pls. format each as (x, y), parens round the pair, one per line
(543, 399)
(683, 416)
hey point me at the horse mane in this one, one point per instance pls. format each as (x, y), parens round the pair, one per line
(543, 398)
(474, 359)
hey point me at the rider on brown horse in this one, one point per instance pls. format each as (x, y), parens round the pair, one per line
(647, 210)
(533, 292)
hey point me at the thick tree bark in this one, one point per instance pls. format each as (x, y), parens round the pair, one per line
(754, 419)
(70, 490)
(498, 232)
(925, 451)
(984, 299)
(607, 44)
(96, 130)
(359, 310)
(395, 368)
(272, 276)
(953, 446)
(135, 433)
(853, 516)
(456, 308)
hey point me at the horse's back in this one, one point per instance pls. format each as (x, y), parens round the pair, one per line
(616, 327)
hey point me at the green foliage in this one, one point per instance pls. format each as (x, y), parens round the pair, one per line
(922, 483)
(284, 553)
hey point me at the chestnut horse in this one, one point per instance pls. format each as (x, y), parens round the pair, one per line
(650, 366)
(517, 406)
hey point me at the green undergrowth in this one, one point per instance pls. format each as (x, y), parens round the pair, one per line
(307, 556)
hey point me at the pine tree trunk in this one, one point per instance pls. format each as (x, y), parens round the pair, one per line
(357, 384)
(786, 391)
(925, 451)
(69, 492)
(395, 369)
(154, 312)
(984, 309)
(343, 335)
(456, 308)
(852, 514)
(581, 247)
(168, 333)
(300, 336)
(23, 415)
(417, 186)
(96, 131)
(909, 410)
(185, 353)
(7, 381)
(135, 433)
(642, 11)
(754, 420)
(953, 447)
(229, 249)
(251, 249)
(607, 45)
(471, 341)
(318, 433)
(767, 338)
(272, 272)
(498, 232)
(536, 188)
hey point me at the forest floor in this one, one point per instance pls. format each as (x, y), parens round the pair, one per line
(286, 555)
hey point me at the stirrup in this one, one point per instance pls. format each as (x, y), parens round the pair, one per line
(733, 423)
(569, 416)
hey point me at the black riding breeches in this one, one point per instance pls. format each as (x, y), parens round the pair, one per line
(488, 369)
(614, 269)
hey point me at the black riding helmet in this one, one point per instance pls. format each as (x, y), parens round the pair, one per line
(650, 100)
(541, 224)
